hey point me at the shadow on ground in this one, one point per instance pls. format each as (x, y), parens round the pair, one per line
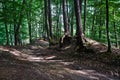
(39, 63)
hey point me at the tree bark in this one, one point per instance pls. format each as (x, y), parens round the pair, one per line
(107, 26)
(115, 31)
(5, 21)
(17, 27)
(29, 22)
(79, 32)
(46, 19)
(80, 3)
(84, 28)
(50, 17)
(72, 22)
(7, 35)
(65, 19)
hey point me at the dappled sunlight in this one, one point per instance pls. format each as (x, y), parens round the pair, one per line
(67, 63)
(41, 59)
(67, 47)
(13, 51)
(91, 74)
(93, 42)
(26, 57)
(48, 59)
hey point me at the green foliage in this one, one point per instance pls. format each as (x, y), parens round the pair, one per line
(34, 12)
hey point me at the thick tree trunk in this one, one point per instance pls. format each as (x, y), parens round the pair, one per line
(80, 3)
(17, 27)
(107, 26)
(84, 28)
(15, 39)
(50, 17)
(79, 32)
(65, 19)
(65, 39)
(29, 22)
(46, 19)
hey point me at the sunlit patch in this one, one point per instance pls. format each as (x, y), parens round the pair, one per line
(91, 74)
(94, 78)
(81, 72)
(35, 58)
(90, 71)
(93, 42)
(13, 51)
(50, 57)
(66, 63)
(67, 47)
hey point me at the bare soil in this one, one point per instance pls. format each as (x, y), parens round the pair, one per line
(35, 62)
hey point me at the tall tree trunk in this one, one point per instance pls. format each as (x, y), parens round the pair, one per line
(30, 32)
(57, 21)
(11, 39)
(79, 32)
(84, 28)
(29, 22)
(36, 28)
(72, 21)
(65, 39)
(15, 39)
(65, 19)
(7, 35)
(50, 17)
(17, 27)
(107, 26)
(93, 22)
(5, 21)
(80, 3)
(46, 19)
(15, 22)
(100, 27)
(115, 31)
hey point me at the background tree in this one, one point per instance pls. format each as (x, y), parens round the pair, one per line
(107, 26)
(22, 23)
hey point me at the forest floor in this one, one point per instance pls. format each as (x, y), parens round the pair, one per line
(38, 62)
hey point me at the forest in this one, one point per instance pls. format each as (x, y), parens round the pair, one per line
(60, 39)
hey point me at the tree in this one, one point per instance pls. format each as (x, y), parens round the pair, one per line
(66, 30)
(49, 17)
(84, 28)
(17, 26)
(29, 20)
(46, 18)
(107, 26)
(79, 32)
(115, 30)
(5, 21)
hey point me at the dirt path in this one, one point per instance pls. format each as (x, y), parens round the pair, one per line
(37, 63)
